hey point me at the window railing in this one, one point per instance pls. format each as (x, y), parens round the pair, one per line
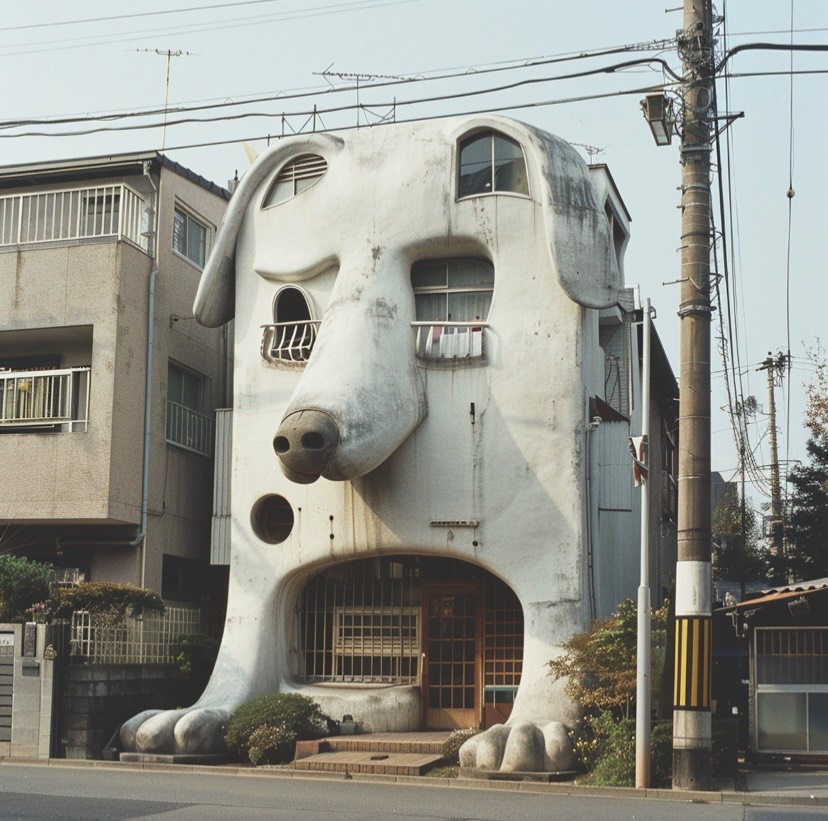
(53, 400)
(189, 429)
(82, 213)
(450, 341)
(289, 341)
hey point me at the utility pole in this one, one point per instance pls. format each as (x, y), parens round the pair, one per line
(691, 691)
(771, 365)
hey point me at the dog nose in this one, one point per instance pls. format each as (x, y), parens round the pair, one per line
(305, 442)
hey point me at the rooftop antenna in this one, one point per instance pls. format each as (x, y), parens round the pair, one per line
(355, 77)
(169, 54)
(591, 150)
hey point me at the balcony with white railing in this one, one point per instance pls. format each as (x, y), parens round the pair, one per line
(48, 400)
(189, 429)
(287, 342)
(450, 342)
(101, 212)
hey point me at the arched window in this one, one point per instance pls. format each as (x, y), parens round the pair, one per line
(491, 163)
(291, 337)
(294, 178)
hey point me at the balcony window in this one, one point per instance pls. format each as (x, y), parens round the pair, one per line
(452, 299)
(44, 399)
(189, 237)
(187, 426)
(491, 163)
(291, 337)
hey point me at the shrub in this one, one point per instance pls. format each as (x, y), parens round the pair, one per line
(455, 740)
(271, 745)
(22, 583)
(116, 600)
(600, 665)
(289, 712)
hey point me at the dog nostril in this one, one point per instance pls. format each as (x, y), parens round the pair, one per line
(281, 444)
(313, 441)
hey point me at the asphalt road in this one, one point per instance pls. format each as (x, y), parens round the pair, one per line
(49, 792)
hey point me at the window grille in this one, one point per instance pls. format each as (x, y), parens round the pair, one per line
(361, 623)
(296, 177)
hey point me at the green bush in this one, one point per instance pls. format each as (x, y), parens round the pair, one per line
(109, 598)
(271, 745)
(455, 740)
(22, 584)
(286, 712)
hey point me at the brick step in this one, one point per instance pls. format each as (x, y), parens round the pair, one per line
(369, 761)
(370, 743)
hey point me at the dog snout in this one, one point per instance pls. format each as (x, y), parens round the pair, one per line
(305, 442)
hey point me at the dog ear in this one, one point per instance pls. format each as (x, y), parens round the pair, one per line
(577, 229)
(215, 299)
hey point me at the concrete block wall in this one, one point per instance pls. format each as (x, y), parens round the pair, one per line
(98, 698)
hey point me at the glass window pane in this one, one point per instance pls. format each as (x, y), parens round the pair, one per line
(476, 166)
(470, 272)
(429, 275)
(818, 722)
(174, 378)
(781, 720)
(469, 305)
(430, 307)
(510, 167)
(179, 231)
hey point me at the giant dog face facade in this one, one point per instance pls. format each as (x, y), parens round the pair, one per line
(410, 382)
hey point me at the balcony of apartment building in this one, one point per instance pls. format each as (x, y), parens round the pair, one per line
(96, 212)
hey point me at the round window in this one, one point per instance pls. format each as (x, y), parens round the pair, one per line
(272, 519)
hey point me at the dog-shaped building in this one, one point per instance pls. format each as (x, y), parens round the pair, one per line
(416, 346)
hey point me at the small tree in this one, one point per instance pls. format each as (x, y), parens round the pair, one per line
(600, 665)
(736, 554)
(23, 583)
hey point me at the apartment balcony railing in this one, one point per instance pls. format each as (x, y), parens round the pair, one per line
(50, 400)
(289, 341)
(189, 429)
(106, 211)
(450, 341)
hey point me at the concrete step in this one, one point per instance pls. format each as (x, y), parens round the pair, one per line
(369, 761)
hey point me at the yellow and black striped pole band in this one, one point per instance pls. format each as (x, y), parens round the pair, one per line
(694, 653)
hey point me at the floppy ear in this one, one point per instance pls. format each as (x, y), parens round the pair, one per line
(215, 299)
(577, 229)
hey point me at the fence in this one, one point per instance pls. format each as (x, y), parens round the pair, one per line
(83, 213)
(99, 639)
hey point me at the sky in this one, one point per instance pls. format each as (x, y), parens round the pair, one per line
(64, 60)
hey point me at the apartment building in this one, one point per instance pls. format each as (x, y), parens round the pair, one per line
(108, 386)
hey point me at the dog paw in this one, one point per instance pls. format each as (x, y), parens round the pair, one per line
(520, 747)
(192, 731)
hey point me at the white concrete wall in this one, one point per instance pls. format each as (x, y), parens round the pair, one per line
(388, 200)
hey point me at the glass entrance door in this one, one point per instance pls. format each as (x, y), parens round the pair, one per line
(452, 656)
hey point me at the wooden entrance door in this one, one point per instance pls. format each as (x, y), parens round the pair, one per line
(452, 616)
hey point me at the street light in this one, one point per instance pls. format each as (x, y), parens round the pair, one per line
(658, 112)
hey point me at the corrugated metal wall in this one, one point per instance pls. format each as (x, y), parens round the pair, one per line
(220, 535)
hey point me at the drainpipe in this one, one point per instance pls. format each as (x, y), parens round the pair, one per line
(141, 536)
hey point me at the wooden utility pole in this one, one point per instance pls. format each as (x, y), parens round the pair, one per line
(693, 656)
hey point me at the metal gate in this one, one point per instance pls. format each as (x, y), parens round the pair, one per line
(6, 682)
